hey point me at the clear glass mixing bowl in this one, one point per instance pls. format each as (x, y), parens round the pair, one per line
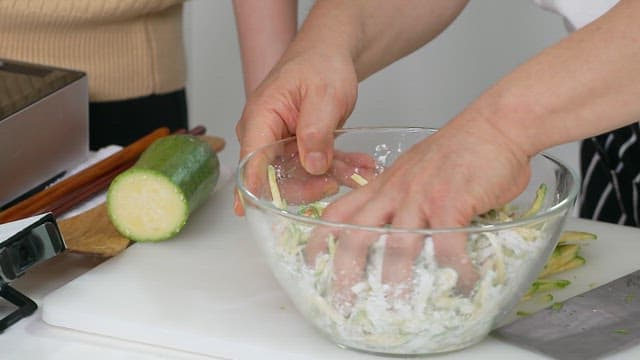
(431, 312)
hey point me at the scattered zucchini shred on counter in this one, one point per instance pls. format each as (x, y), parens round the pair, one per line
(435, 317)
(565, 256)
(152, 200)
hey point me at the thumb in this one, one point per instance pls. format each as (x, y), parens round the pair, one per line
(321, 113)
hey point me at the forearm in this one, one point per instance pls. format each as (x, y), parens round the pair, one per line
(265, 29)
(585, 85)
(375, 33)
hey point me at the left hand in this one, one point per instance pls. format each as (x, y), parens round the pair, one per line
(297, 186)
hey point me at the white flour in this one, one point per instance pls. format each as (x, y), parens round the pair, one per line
(434, 318)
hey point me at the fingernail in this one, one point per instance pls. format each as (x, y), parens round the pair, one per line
(316, 163)
(238, 206)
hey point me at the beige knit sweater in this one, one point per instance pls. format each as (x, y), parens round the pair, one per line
(128, 48)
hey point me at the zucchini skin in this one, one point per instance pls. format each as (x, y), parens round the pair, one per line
(187, 162)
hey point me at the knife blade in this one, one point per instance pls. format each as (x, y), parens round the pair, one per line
(600, 321)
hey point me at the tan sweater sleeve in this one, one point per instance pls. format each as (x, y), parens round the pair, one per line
(128, 48)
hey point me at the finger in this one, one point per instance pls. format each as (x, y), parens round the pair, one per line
(337, 212)
(356, 159)
(352, 248)
(349, 165)
(302, 191)
(451, 248)
(258, 127)
(349, 264)
(261, 134)
(265, 119)
(238, 205)
(297, 186)
(320, 114)
(451, 251)
(254, 178)
(318, 243)
(402, 249)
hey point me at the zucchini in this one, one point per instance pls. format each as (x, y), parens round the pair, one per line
(562, 255)
(541, 193)
(152, 200)
(573, 237)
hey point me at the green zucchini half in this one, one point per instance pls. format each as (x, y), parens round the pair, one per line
(152, 200)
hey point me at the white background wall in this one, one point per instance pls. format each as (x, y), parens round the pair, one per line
(427, 88)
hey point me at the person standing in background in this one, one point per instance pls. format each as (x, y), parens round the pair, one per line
(131, 50)
(133, 54)
(265, 29)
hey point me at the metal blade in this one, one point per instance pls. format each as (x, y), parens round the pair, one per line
(601, 321)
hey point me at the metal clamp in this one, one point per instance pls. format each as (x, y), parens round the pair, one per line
(25, 305)
(23, 244)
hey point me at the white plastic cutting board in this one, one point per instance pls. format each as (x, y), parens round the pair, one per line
(208, 291)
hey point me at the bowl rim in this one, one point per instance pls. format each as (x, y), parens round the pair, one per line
(551, 212)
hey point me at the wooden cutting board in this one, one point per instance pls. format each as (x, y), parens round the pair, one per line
(210, 291)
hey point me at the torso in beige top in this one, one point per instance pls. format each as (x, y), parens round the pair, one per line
(128, 48)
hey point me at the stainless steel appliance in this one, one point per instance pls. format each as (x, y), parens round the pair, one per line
(25, 243)
(44, 126)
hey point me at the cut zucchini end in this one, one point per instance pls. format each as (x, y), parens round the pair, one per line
(146, 206)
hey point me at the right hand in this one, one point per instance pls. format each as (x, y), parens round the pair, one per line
(465, 169)
(308, 95)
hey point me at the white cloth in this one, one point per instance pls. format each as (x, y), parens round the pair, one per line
(577, 13)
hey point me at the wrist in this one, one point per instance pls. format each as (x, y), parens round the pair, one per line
(515, 117)
(506, 124)
(333, 29)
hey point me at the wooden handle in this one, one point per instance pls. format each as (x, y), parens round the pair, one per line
(41, 200)
(92, 233)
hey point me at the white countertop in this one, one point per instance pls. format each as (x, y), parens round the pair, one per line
(33, 339)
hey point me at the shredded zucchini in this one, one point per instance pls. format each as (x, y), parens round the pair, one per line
(429, 314)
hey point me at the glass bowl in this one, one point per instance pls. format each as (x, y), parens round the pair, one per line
(430, 313)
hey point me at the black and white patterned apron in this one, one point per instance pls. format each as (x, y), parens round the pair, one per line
(610, 165)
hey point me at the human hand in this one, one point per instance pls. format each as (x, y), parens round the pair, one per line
(296, 186)
(463, 170)
(308, 95)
